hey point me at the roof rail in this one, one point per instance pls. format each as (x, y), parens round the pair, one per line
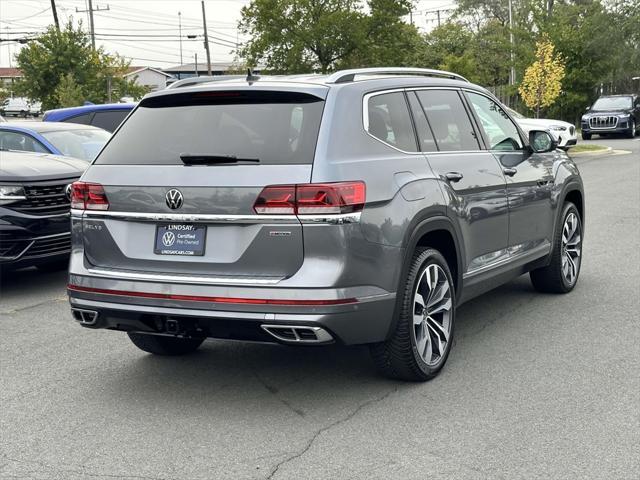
(344, 76)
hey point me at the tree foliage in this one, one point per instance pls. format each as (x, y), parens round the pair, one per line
(68, 93)
(542, 82)
(54, 55)
(296, 36)
(599, 41)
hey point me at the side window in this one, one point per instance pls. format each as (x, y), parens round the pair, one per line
(389, 121)
(20, 141)
(109, 119)
(447, 116)
(83, 119)
(498, 127)
(425, 135)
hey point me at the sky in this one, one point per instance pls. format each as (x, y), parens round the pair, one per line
(147, 31)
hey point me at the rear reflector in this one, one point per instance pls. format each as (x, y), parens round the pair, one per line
(311, 198)
(197, 298)
(88, 196)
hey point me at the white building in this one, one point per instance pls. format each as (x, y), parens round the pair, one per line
(149, 77)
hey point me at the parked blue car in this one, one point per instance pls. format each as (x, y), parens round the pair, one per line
(71, 140)
(107, 116)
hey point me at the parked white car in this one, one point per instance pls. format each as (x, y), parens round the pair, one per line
(563, 132)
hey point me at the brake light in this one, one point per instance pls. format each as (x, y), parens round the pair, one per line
(312, 198)
(276, 200)
(88, 196)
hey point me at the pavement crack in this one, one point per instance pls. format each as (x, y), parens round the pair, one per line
(272, 389)
(29, 307)
(322, 430)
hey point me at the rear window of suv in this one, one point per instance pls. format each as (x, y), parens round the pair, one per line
(274, 127)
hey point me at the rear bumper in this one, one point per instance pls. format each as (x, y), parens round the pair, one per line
(365, 320)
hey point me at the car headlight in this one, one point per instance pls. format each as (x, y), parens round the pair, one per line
(11, 193)
(624, 116)
(558, 127)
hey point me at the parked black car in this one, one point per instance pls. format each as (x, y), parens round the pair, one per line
(612, 114)
(34, 209)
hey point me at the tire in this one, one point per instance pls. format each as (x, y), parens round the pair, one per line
(399, 356)
(585, 136)
(161, 345)
(56, 266)
(632, 131)
(23, 113)
(561, 275)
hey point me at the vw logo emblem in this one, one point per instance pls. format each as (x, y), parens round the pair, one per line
(67, 192)
(168, 239)
(174, 199)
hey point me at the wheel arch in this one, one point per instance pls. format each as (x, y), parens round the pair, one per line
(574, 195)
(438, 232)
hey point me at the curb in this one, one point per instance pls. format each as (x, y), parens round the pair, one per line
(603, 151)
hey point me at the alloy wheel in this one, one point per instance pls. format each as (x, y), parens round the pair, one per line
(432, 306)
(571, 248)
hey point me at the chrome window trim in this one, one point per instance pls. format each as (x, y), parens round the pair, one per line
(469, 114)
(365, 118)
(523, 138)
(331, 219)
(191, 279)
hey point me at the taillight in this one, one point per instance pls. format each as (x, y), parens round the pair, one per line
(88, 196)
(276, 200)
(311, 198)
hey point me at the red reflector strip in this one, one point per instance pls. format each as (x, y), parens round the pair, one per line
(197, 298)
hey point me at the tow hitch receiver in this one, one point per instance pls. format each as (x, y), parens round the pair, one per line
(172, 326)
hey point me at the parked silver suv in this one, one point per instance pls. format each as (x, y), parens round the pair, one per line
(359, 207)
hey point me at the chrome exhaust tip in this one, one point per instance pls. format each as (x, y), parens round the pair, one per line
(85, 317)
(298, 334)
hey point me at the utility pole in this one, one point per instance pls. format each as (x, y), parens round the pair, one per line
(512, 71)
(438, 12)
(196, 57)
(206, 39)
(91, 25)
(55, 14)
(180, 30)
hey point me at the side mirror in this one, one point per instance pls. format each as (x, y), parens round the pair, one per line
(587, 109)
(541, 141)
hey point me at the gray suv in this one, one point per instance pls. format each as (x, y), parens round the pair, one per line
(360, 207)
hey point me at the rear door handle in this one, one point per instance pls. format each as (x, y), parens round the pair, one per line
(510, 171)
(453, 176)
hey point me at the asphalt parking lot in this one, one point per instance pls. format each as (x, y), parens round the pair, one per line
(537, 386)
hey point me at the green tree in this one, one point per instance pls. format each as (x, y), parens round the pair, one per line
(68, 93)
(54, 54)
(386, 39)
(298, 36)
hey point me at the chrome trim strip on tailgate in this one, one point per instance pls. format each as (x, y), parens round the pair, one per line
(335, 219)
(186, 217)
(194, 279)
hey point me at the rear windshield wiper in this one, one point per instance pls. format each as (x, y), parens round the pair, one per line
(206, 159)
